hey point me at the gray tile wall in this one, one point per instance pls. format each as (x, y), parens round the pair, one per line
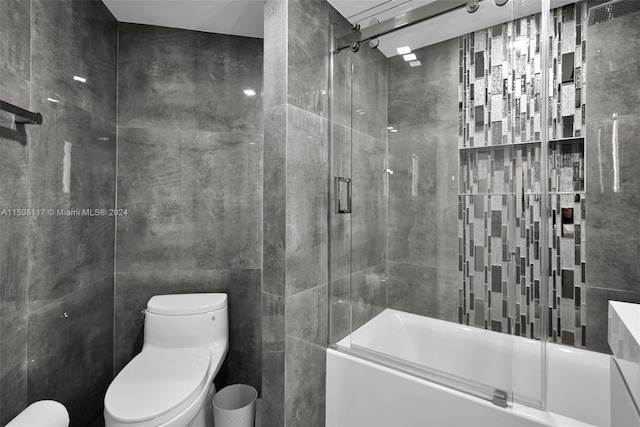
(423, 277)
(294, 213)
(612, 272)
(56, 272)
(190, 175)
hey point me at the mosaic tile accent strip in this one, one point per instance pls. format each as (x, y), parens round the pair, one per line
(499, 143)
(500, 81)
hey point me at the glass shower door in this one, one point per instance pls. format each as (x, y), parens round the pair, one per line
(433, 202)
(340, 198)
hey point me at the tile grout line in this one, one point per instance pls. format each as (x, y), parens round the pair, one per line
(115, 223)
(29, 202)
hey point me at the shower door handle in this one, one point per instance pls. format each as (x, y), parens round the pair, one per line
(342, 194)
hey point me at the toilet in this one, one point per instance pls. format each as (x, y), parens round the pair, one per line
(170, 383)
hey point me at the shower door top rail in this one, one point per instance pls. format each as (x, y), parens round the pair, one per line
(410, 17)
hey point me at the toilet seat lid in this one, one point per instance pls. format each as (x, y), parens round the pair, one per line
(156, 381)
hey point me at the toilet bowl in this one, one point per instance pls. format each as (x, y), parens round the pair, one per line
(170, 383)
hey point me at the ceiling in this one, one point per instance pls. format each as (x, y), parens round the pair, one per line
(235, 17)
(246, 17)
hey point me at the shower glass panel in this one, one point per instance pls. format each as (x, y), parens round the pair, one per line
(437, 128)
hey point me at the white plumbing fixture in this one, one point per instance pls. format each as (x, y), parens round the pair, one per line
(44, 413)
(170, 383)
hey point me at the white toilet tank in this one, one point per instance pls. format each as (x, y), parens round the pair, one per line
(187, 320)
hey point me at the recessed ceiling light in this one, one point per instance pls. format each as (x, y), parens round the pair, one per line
(249, 92)
(403, 50)
(79, 79)
(415, 63)
(410, 57)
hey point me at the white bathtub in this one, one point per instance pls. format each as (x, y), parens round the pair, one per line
(363, 393)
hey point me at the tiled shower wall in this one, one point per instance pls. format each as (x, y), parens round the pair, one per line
(613, 270)
(423, 155)
(499, 146)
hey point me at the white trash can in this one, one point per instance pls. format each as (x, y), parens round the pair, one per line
(235, 406)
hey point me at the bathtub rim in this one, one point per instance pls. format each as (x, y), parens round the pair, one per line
(440, 377)
(541, 416)
(432, 375)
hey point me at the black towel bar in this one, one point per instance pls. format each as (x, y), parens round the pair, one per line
(22, 116)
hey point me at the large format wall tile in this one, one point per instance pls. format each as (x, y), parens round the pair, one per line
(63, 263)
(369, 202)
(306, 315)
(14, 194)
(70, 351)
(421, 111)
(598, 314)
(411, 106)
(340, 306)
(369, 295)
(413, 288)
(273, 321)
(70, 250)
(222, 194)
(412, 197)
(272, 408)
(613, 72)
(275, 53)
(16, 37)
(369, 107)
(304, 383)
(295, 222)
(178, 79)
(612, 156)
(76, 38)
(15, 53)
(306, 209)
(274, 199)
(191, 199)
(307, 56)
(613, 197)
(613, 215)
(134, 289)
(13, 367)
(341, 101)
(150, 188)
